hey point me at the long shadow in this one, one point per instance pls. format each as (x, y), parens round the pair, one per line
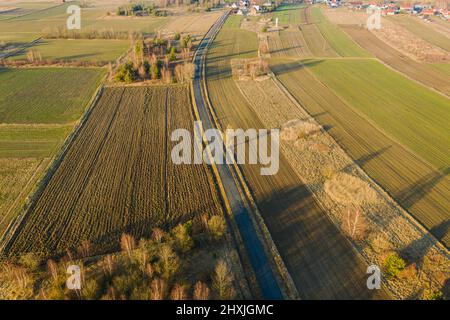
(287, 67)
(361, 161)
(413, 193)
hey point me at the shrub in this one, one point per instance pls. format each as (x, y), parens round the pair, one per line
(31, 261)
(126, 73)
(182, 235)
(169, 261)
(177, 36)
(393, 265)
(264, 29)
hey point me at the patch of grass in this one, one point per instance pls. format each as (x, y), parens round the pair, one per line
(46, 95)
(337, 39)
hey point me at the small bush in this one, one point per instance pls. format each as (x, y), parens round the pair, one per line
(126, 73)
(216, 227)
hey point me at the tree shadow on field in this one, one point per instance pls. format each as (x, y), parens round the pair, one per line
(361, 161)
(287, 49)
(320, 260)
(280, 68)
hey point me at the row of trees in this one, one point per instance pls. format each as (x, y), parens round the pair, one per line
(153, 268)
(63, 33)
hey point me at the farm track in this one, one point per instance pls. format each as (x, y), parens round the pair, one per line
(321, 262)
(112, 181)
(394, 59)
(417, 186)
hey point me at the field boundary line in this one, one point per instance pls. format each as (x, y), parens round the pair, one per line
(405, 213)
(258, 221)
(11, 231)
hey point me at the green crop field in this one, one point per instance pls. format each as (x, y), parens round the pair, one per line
(383, 121)
(422, 31)
(46, 95)
(414, 115)
(338, 40)
(79, 49)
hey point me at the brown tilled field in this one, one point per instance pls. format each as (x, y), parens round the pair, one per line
(117, 176)
(396, 60)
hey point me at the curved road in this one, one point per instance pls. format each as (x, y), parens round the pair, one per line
(254, 248)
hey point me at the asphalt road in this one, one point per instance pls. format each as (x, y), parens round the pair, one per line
(255, 250)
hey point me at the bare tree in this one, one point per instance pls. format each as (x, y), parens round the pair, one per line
(52, 269)
(201, 291)
(169, 261)
(108, 265)
(223, 281)
(127, 243)
(158, 289)
(354, 224)
(84, 249)
(157, 235)
(178, 292)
